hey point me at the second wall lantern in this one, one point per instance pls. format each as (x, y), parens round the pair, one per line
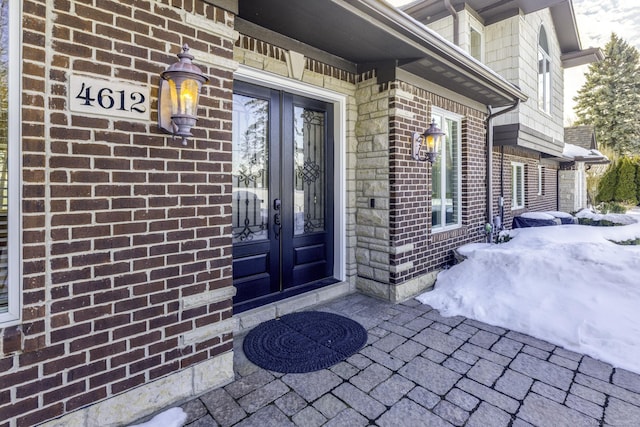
(178, 96)
(431, 139)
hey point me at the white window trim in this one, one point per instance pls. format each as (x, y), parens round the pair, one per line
(514, 202)
(339, 101)
(480, 30)
(13, 315)
(435, 111)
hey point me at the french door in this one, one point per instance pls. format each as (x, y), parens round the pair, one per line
(282, 194)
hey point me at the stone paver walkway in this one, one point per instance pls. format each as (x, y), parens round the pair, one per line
(421, 369)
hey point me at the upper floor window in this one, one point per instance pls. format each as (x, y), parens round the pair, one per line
(544, 73)
(475, 43)
(446, 173)
(9, 159)
(517, 185)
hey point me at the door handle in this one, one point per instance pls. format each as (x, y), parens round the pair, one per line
(276, 218)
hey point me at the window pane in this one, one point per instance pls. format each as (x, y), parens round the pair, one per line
(542, 40)
(445, 173)
(452, 209)
(436, 183)
(250, 172)
(475, 44)
(309, 196)
(547, 86)
(541, 79)
(544, 73)
(517, 186)
(4, 171)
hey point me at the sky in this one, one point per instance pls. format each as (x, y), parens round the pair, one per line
(596, 19)
(570, 285)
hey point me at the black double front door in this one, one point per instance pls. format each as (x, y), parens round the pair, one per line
(282, 194)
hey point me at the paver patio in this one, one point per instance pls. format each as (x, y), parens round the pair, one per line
(421, 369)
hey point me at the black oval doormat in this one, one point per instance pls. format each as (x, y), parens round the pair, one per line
(304, 342)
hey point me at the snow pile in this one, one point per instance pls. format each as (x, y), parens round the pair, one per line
(559, 214)
(571, 151)
(538, 215)
(620, 219)
(568, 284)
(174, 417)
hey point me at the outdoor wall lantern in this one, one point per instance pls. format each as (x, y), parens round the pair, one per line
(178, 96)
(431, 138)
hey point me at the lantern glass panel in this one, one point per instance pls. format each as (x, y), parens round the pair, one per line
(173, 93)
(189, 97)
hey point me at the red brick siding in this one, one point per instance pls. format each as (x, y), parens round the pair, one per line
(119, 222)
(410, 185)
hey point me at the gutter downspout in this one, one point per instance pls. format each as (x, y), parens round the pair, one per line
(489, 124)
(456, 24)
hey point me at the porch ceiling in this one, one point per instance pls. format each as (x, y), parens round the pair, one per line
(369, 33)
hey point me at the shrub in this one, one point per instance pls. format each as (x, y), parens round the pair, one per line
(607, 185)
(503, 237)
(637, 160)
(629, 242)
(626, 185)
(612, 207)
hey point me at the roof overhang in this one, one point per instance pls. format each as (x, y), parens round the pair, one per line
(581, 57)
(575, 153)
(491, 11)
(372, 34)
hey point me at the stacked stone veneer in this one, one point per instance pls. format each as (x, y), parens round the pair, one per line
(372, 186)
(511, 50)
(398, 253)
(126, 247)
(572, 187)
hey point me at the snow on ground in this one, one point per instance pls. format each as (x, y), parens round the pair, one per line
(174, 417)
(567, 284)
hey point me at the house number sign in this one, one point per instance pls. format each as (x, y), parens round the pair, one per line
(108, 98)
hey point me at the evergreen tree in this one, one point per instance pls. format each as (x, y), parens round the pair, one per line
(637, 161)
(607, 184)
(610, 98)
(626, 186)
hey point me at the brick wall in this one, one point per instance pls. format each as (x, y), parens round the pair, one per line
(534, 202)
(415, 248)
(126, 234)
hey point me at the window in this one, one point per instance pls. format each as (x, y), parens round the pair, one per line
(540, 180)
(475, 43)
(517, 186)
(446, 172)
(544, 73)
(9, 159)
